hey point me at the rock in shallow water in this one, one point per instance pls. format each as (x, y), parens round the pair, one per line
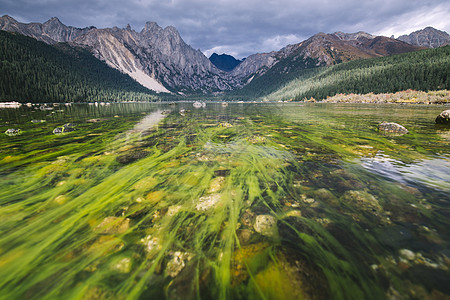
(177, 262)
(13, 132)
(392, 128)
(266, 225)
(362, 200)
(113, 225)
(208, 202)
(444, 117)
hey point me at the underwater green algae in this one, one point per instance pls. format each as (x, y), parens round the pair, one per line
(247, 201)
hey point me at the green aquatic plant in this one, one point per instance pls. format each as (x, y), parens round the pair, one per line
(276, 204)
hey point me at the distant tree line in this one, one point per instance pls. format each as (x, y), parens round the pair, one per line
(32, 71)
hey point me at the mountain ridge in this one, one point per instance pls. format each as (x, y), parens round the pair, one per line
(428, 37)
(160, 60)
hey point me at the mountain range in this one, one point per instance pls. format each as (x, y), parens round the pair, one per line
(161, 61)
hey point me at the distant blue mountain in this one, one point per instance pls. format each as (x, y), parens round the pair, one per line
(224, 62)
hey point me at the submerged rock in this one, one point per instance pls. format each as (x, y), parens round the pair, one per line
(216, 184)
(68, 127)
(173, 210)
(13, 132)
(95, 120)
(208, 202)
(131, 156)
(113, 225)
(123, 265)
(326, 196)
(247, 218)
(392, 128)
(266, 225)
(225, 125)
(177, 262)
(152, 244)
(444, 117)
(256, 139)
(244, 236)
(362, 200)
(407, 254)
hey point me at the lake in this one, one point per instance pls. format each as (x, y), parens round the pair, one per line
(245, 201)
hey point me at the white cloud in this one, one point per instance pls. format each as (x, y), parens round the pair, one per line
(226, 49)
(279, 41)
(437, 17)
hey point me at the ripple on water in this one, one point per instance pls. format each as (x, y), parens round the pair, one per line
(433, 173)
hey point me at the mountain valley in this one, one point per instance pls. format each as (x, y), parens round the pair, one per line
(159, 59)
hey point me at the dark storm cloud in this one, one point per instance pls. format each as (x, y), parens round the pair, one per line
(242, 27)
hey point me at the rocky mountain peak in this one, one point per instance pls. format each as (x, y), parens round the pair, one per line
(353, 36)
(428, 37)
(151, 27)
(55, 21)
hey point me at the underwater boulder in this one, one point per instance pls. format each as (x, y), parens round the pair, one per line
(225, 125)
(177, 262)
(266, 225)
(443, 118)
(113, 225)
(95, 120)
(58, 130)
(13, 132)
(256, 139)
(326, 196)
(208, 202)
(122, 266)
(362, 200)
(244, 236)
(216, 184)
(152, 244)
(392, 128)
(131, 156)
(68, 127)
(248, 218)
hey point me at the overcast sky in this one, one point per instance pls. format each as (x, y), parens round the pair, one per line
(241, 27)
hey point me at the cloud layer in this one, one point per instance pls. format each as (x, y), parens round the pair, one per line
(240, 27)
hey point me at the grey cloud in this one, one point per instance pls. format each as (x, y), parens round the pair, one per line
(241, 27)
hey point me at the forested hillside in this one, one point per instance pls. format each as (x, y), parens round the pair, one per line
(422, 70)
(32, 71)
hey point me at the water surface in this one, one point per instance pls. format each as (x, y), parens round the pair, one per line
(248, 201)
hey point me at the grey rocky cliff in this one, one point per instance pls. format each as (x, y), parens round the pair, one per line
(50, 32)
(428, 37)
(255, 64)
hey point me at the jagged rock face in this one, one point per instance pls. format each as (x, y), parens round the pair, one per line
(358, 36)
(51, 32)
(178, 64)
(152, 56)
(428, 37)
(255, 64)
